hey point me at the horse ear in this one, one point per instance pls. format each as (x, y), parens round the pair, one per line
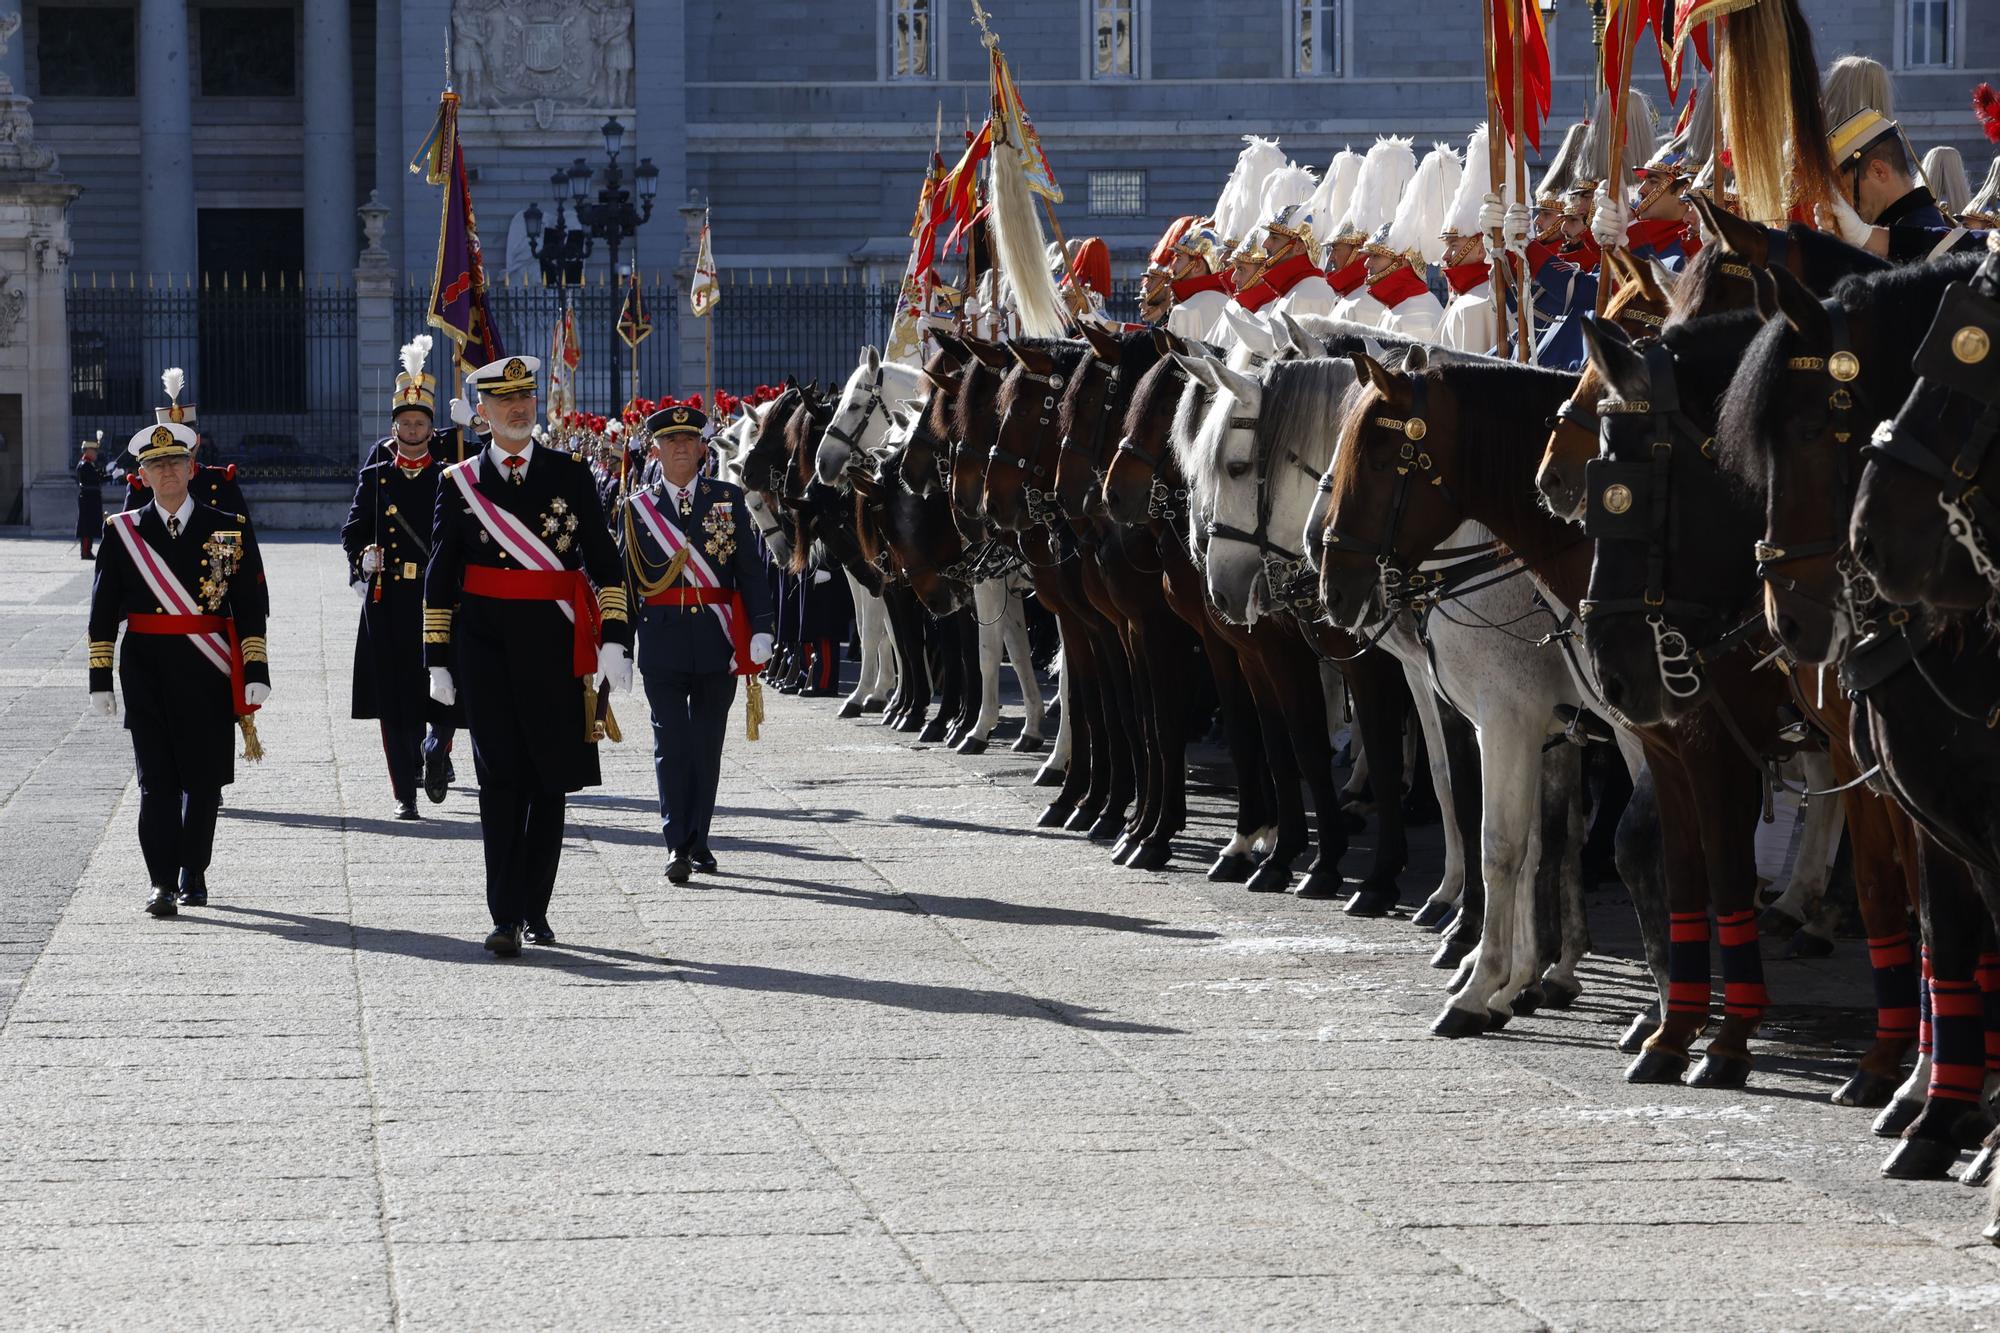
(988, 354)
(1800, 308)
(1104, 345)
(945, 382)
(1611, 351)
(952, 346)
(1663, 278)
(1745, 239)
(1166, 343)
(1238, 386)
(1416, 357)
(1306, 343)
(1032, 359)
(871, 360)
(1200, 369)
(1368, 368)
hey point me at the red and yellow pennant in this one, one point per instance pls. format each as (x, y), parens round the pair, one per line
(1534, 67)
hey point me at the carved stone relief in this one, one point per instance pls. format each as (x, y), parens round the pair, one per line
(543, 55)
(13, 305)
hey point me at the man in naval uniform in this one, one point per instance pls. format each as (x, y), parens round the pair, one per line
(387, 539)
(517, 543)
(705, 620)
(89, 496)
(188, 583)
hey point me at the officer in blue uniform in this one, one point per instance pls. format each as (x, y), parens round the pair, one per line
(691, 559)
(1874, 164)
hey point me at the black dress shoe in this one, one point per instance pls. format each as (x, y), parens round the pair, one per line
(437, 771)
(541, 932)
(678, 868)
(407, 810)
(164, 902)
(704, 860)
(194, 895)
(505, 941)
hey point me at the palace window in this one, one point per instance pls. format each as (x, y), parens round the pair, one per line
(1316, 39)
(912, 41)
(1114, 39)
(1927, 34)
(1118, 194)
(247, 52)
(85, 52)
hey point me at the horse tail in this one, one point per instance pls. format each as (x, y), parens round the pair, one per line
(1771, 109)
(1023, 254)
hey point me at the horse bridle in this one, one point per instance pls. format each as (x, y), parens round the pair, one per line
(1840, 368)
(1394, 577)
(1287, 573)
(1956, 356)
(1630, 501)
(852, 439)
(1095, 452)
(1039, 503)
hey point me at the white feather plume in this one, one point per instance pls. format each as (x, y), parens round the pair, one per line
(415, 352)
(173, 379)
(1336, 191)
(1418, 226)
(1235, 210)
(1385, 172)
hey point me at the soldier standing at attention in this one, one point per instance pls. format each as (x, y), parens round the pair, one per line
(89, 496)
(188, 583)
(517, 541)
(387, 539)
(706, 620)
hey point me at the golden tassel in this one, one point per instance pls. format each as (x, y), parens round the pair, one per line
(753, 705)
(253, 749)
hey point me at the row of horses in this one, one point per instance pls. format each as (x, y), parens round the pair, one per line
(1756, 526)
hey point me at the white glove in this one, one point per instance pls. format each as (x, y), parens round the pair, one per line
(360, 587)
(1607, 222)
(105, 703)
(1491, 215)
(760, 649)
(461, 412)
(614, 667)
(255, 693)
(1514, 229)
(371, 560)
(1840, 218)
(822, 576)
(442, 689)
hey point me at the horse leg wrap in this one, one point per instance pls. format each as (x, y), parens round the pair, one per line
(1687, 967)
(1897, 992)
(1924, 1001)
(1988, 976)
(1958, 1055)
(1743, 993)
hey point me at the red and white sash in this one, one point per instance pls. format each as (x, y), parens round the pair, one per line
(671, 540)
(515, 537)
(166, 587)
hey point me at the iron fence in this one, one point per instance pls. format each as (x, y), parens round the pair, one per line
(271, 366)
(771, 324)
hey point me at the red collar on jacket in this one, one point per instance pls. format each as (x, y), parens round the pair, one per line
(1206, 282)
(1659, 233)
(1397, 286)
(1278, 281)
(1464, 277)
(1348, 280)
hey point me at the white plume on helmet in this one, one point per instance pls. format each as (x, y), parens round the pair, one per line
(1336, 190)
(1236, 209)
(1475, 183)
(173, 379)
(1385, 173)
(414, 353)
(1418, 227)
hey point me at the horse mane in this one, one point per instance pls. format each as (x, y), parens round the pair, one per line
(971, 390)
(1303, 406)
(1825, 258)
(1138, 353)
(1067, 355)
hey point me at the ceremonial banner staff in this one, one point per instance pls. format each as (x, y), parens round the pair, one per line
(187, 582)
(511, 618)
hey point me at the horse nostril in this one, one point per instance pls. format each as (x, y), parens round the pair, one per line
(1614, 691)
(1552, 481)
(1788, 630)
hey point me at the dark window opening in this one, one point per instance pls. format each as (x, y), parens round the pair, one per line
(253, 358)
(247, 52)
(86, 52)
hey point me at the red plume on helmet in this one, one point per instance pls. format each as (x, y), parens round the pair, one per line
(1986, 104)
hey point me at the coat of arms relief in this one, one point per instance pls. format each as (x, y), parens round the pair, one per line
(548, 56)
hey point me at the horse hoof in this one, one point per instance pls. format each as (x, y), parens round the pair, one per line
(1123, 847)
(1720, 1071)
(1776, 921)
(1321, 884)
(915, 723)
(1055, 816)
(932, 734)
(1455, 1022)
(1805, 944)
(972, 745)
(1371, 900)
(1559, 994)
(1528, 1001)
(1432, 916)
(1980, 1169)
(1656, 1066)
(1896, 1117)
(875, 706)
(1051, 775)
(1865, 1089)
(1108, 827)
(1025, 744)
(1453, 951)
(849, 709)
(1638, 1033)
(1497, 1019)
(1269, 878)
(1232, 868)
(1992, 1231)
(1081, 818)
(1152, 855)
(1921, 1159)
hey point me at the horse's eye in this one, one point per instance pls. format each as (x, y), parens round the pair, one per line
(1238, 469)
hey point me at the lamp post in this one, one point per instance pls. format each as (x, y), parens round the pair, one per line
(612, 217)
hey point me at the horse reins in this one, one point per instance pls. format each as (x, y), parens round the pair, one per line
(1286, 572)
(1039, 502)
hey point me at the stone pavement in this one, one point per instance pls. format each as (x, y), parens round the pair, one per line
(908, 1064)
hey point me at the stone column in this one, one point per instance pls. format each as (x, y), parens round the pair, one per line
(166, 143)
(688, 330)
(391, 153)
(328, 91)
(376, 336)
(34, 343)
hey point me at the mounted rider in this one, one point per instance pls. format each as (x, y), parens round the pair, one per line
(1398, 298)
(1471, 319)
(1661, 226)
(1387, 170)
(1289, 279)
(1185, 292)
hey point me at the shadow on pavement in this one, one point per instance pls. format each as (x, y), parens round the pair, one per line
(955, 909)
(908, 995)
(461, 829)
(335, 932)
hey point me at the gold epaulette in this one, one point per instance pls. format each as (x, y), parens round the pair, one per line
(611, 603)
(100, 654)
(253, 649)
(437, 624)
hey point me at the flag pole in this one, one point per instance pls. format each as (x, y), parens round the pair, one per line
(1524, 351)
(708, 330)
(1627, 37)
(1496, 164)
